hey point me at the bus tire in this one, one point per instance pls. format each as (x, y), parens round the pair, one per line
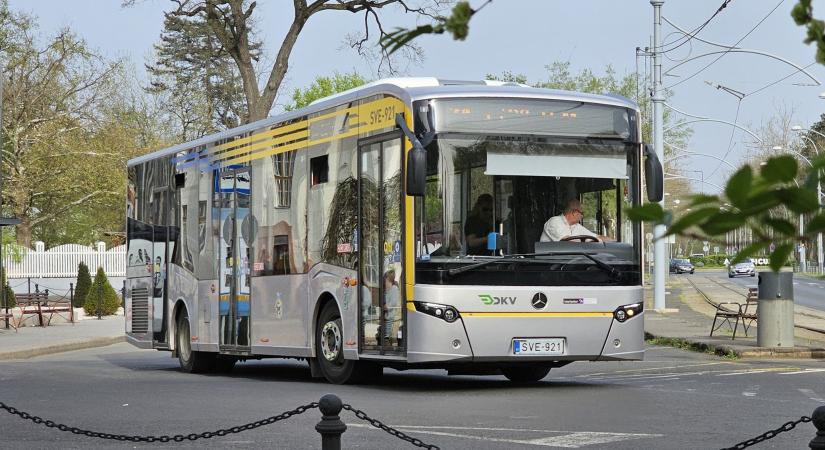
(525, 374)
(329, 351)
(190, 361)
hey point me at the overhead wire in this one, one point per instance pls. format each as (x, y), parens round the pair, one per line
(730, 142)
(729, 49)
(691, 34)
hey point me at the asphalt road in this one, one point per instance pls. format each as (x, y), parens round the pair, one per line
(807, 291)
(672, 400)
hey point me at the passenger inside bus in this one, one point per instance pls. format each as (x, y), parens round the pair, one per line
(392, 306)
(478, 225)
(567, 225)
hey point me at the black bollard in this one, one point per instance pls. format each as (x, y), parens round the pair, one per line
(330, 425)
(71, 294)
(818, 418)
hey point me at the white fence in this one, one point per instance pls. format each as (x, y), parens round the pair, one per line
(62, 261)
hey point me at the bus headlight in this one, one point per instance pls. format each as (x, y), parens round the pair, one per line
(444, 312)
(625, 312)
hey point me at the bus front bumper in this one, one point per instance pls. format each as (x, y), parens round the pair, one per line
(491, 338)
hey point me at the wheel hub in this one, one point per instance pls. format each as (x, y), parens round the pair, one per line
(331, 341)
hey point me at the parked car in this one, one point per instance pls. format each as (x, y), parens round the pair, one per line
(681, 265)
(745, 267)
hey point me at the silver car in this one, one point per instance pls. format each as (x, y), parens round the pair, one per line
(743, 268)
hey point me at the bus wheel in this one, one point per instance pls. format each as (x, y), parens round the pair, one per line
(329, 351)
(525, 374)
(191, 361)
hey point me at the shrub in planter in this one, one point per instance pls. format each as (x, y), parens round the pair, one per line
(81, 287)
(110, 301)
(9, 291)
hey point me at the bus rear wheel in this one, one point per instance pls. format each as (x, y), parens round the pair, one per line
(191, 361)
(329, 351)
(525, 374)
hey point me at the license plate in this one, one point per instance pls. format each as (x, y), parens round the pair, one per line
(538, 346)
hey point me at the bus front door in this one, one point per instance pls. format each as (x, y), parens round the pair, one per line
(234, 275)
(380, 258)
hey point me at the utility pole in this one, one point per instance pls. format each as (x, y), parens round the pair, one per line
(658, 99)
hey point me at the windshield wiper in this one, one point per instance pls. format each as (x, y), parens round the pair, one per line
(462, 269)
(611, 271)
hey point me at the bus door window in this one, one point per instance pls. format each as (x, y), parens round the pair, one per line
(369, 245)
(392, 261)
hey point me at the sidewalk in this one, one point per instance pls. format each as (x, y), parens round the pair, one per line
(31, 341)
(688, 317)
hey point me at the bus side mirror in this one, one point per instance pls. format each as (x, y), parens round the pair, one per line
(416, 161)
(416, 170)
(654, 175)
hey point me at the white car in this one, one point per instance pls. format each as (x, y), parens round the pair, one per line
(743, 268)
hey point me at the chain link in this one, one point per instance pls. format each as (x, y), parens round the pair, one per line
(164, 439)
(769, 434)
(378, 424)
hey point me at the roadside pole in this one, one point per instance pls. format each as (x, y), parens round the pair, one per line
(658, 99)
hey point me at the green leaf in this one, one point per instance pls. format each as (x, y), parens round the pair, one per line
(816, 224)
(649, 212)
(739, 186)
(690, 219)
(798, 200)
(703, 199)
(779, 256)
(760, 203)
(780, 168)
(748, 251)
(781, 226)
(722, 223)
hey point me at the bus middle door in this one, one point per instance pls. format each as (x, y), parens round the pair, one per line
(234, 299)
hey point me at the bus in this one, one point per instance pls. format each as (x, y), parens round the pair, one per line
(396, 225)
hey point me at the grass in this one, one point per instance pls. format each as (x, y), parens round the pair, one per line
(692, 346)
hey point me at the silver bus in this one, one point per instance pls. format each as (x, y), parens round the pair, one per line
(395, 225)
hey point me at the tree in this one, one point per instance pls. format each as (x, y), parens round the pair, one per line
(230, 25)
(323, 87)
(82, 285)
(53, 97)
(108, 303)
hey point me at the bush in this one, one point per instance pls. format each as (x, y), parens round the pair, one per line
(9, 291)
(110, 302)
(81, 287)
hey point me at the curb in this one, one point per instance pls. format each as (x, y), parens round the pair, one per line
(755, 352)
(60, 348)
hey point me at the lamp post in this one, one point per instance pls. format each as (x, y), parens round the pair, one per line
(819, 256)
(802, 266)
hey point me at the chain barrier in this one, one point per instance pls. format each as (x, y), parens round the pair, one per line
(378, 424)
(164, 439)
(769, 434)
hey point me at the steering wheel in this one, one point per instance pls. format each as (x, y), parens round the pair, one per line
(581, 238)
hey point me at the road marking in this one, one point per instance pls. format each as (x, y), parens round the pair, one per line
(812, 395)
(749, 394)
(565, 439)
(802, 371)
(657, 368)
(750, 371)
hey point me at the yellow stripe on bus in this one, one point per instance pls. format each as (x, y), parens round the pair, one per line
(536, 314)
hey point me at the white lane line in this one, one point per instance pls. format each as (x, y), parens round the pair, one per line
(802, 371)
(565, 439)
(811, 395)
(749, 371)
(656, 368)
(749, 394)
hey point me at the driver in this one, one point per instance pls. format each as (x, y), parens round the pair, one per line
(567, 224)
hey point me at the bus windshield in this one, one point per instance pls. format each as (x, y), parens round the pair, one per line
(512, 185)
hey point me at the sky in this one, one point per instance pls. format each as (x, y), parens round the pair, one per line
(524, 36)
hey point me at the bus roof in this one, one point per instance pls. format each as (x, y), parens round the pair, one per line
(409, 90)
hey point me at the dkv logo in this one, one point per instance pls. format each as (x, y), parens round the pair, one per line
(491, 300)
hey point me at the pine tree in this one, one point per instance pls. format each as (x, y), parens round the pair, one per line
(81, 288)
(110, 301)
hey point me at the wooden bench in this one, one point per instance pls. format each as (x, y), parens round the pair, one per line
(745, 312)
(61, 307)
(31, 304)
(7, 317)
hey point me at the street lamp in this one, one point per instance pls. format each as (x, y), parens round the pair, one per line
(819, 256)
